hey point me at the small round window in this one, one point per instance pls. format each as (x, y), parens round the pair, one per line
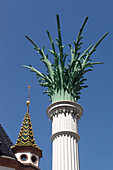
(23, 157)
(34, 159)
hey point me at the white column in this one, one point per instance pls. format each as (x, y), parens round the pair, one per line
(64, 116)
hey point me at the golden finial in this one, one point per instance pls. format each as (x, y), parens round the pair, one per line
(28, 101)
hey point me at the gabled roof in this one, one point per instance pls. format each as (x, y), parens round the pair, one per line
(26, 136)
(5, 144)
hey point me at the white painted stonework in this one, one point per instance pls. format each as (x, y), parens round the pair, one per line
(64, 116)
(28, 160)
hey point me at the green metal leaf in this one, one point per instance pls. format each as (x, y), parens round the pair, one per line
(64, 81)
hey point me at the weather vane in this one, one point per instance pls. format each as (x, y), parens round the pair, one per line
(28, 101)
(65, 82)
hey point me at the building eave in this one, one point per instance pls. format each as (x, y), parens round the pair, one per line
(31, 149)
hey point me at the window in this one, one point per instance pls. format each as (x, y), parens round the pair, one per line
(34, 159)
(23, 157)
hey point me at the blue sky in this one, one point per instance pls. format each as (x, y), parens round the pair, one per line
(33, 18)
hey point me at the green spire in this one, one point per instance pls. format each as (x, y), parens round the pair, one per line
(26, 136)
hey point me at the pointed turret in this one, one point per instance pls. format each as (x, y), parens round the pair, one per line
(26, 136)
(26, 150)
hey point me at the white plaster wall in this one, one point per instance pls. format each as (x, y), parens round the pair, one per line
(28, 161)
(6, 168)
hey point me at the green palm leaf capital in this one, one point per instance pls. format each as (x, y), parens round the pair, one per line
(64, 82)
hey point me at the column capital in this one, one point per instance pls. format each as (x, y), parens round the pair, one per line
(65, 107)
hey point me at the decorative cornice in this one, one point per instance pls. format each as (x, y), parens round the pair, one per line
(65, 133)
(9, 163)
(64, 107)
(28, 149)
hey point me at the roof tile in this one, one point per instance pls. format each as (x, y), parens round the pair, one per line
(5, 143)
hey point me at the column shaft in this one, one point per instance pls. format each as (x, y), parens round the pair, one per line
(64, 116)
